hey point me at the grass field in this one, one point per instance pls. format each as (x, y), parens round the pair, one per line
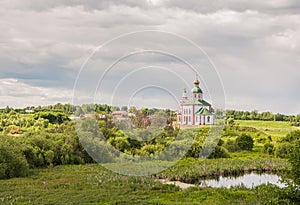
(92, 184)
(274, 129)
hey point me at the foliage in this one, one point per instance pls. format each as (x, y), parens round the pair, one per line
(52, 117)
(219, 152)
(294, 158)
(283, 150)
(264, 116)
(292, 136)
(245, 142)
(269, 148)
(12, 161)
(231, 146)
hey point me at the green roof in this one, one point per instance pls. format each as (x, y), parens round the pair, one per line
(196, 90)
(205, 103)
(203, 111)
(196, 102)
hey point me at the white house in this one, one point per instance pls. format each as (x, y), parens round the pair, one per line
(195, 110)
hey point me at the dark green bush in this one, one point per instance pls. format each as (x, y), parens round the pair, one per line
(245, 142)
(12, 161)
(219, 152)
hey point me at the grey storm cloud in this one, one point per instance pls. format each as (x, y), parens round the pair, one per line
(202, 6)
(255, 45)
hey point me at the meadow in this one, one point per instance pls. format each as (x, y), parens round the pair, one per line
(44, 163)
(273, 128)
(92, 184)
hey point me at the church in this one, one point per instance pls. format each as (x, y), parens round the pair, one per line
(195, 110)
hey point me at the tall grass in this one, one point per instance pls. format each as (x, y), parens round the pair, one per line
(92, 184)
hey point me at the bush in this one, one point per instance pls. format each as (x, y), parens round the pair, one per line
(269, 148)
(292, 136)
(214, 151)
(283, 150)
(219, 152)
(231, 146)
(245, 142)
(12, 162)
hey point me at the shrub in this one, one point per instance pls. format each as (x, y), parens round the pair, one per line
(245, 142)
(283, 150)
(231, 146)
(12, 162)
(269, 148)
(211, 151)
(219, 152)
(292, 136)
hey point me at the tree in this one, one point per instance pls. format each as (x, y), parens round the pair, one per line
(12, 161)
(253, 114)
(124, 108)
(294, 158)
(245, 142)
(78, 111)
(53, 117)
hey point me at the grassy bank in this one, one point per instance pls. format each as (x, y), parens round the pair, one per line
(193, 170)
(92, 184)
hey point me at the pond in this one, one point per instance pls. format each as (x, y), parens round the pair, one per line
(248, 180)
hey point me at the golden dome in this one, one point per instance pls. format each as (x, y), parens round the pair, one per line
(196, 82)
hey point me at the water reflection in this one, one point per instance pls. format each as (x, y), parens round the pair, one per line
(248, 180)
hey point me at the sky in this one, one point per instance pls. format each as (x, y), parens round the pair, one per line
(246, 53)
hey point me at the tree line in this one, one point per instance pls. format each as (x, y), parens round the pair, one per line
(265, 116)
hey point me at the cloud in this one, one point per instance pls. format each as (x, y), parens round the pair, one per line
(90, 5)
(269, 6)
(19, 94)
(255, 45)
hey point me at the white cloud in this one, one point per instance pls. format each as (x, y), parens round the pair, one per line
(19, 94)
(254, 44)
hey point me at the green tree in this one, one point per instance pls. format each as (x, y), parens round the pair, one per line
(12, 161)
